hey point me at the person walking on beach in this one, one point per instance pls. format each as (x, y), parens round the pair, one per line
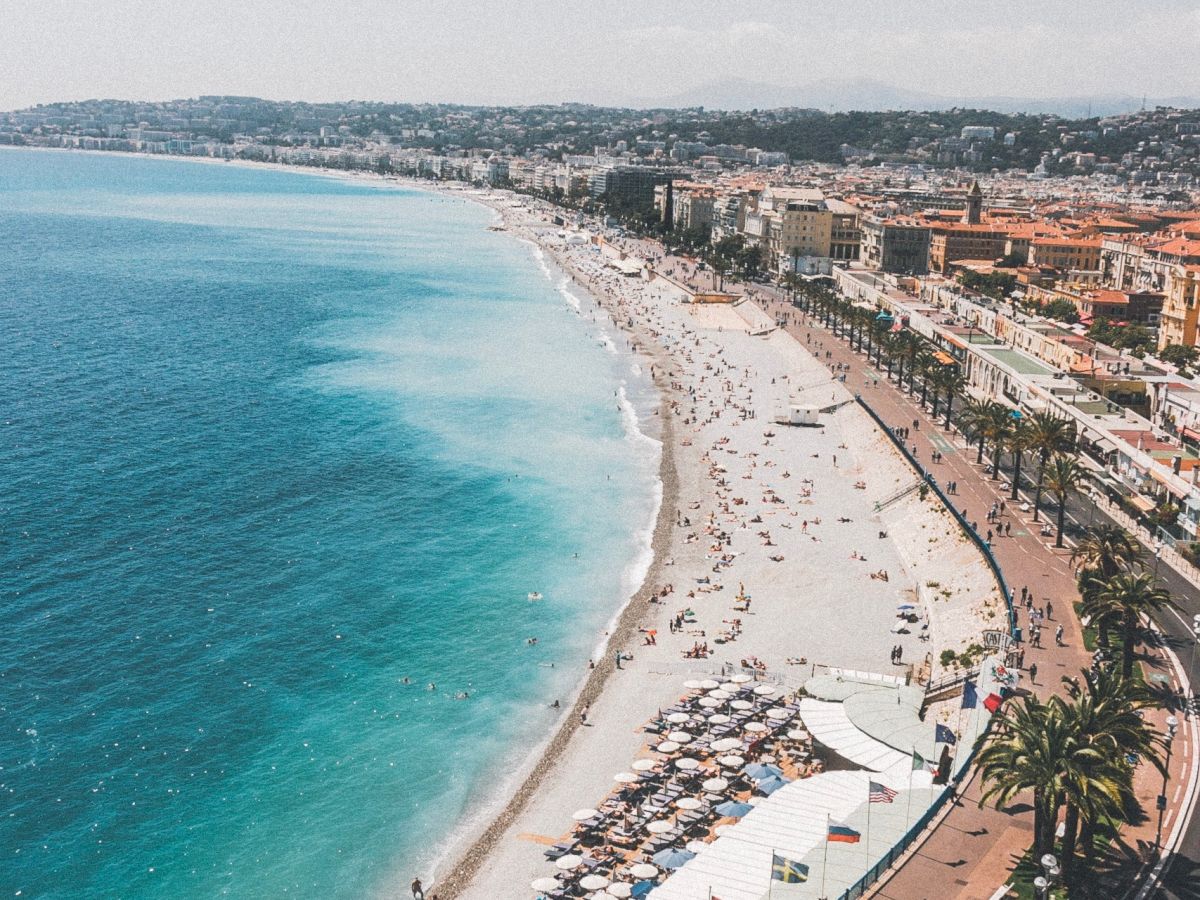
(583, 714)
(418, 891)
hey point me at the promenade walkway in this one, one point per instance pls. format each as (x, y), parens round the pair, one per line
(973, 850)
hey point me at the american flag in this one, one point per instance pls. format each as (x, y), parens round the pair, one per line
(881, 793)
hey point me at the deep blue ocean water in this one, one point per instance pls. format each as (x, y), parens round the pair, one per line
(270, 444)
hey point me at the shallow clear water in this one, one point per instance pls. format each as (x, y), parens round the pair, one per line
(269, 444)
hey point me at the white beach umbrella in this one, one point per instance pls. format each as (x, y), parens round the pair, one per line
(755, 726)
(570, 861)
(778, 713)
(708, 684)
(766, 759)
(659, 826)
(715, 785)
(643, 870)
(678, 718)
(729, 686)
(680, 737)
(719, 694)
(605, 894)
(732, 761)
(798, 734)
(718, 719)
(741, 679)
(742, 704)
(691, 685)
(582, 815)
(593, 882)
(687, 764)
(625, 777)
(709, 702)
(695, 846)
(620, 890)
(643, 765)
(545, 884)
(726, 744)
(667, 747)
(765, 690)
(688, 803)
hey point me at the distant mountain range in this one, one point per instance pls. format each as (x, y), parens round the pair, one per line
(839, 95)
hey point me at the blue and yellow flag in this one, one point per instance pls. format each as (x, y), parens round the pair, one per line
(783, 869)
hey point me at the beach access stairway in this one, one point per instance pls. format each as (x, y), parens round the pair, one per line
(899, 495)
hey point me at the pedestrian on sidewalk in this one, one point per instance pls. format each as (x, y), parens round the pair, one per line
(1058, 635)
(1033, 673)
(1008, 529)
(1049, 610)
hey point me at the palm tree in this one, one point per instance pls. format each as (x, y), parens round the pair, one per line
(1130, 596)
(1048, 434)
(1105, 714)
(1104, 551)
(1018, 443)
(997, 425)
(972, 421)
(1064, 476)
(1026, 753)
(955, 382)
(926, 365)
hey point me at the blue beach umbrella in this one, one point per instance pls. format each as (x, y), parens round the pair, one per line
(768, 786)
(672, 857)
(759, 771)
(641, 889)
(733, 808)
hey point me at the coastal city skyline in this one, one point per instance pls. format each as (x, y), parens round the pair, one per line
(608, 54)
(558, 451)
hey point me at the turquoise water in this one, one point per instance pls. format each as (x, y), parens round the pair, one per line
(271, 444)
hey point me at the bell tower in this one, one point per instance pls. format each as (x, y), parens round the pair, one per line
(974, 211)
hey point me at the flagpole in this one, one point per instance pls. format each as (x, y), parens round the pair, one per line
(912, 764)
(825, 861)
(868, 841)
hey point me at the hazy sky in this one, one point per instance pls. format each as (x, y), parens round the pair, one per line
(554, 50)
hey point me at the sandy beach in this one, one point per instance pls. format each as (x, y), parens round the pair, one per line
(786, 515)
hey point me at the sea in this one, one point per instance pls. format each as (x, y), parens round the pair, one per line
(282, 458)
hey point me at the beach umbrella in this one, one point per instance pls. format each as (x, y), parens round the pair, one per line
(708, 684)
(758, 771)
(719, 694)
(733, 761)
(643, 765)
(680, 737)
(643, 870)
(764, 690)
(768, 786)
(755, 726)
(688, 803)
(593, 882)
(696, 847)
(724, 745)
(545, 884)
(766, 759)
(659, 826)
(687, 764)
(718, 719)
(672, 857)
(677, 718)
(641, 889)
(625, 778)
(741, 679)
(620, 890)
(667, 747)
(715, 785)
(570, 861)
(733, 808)
(742, 704)
(778, 713)
(899, 627)
(709, 702)
(798, 734)
(729, 686)
(605, 894)
(691, 685)
(582, 815)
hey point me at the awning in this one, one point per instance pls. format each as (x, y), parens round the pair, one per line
(1142, 502)
(1190, 433)
(944, 358)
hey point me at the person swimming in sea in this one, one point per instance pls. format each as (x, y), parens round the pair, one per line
(431, 686)
(531, 641)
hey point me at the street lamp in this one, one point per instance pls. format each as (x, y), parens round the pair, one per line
(1051, 872)
(1172, 728)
